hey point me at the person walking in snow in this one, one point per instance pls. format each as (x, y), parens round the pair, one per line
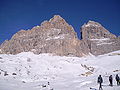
(117, 79)
(111, 80)
(100, 81)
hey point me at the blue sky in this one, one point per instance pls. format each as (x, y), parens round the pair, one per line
(25, 14)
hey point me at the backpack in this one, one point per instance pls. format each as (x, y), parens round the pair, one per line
(117, 77)
(99, 79)
(110, 78)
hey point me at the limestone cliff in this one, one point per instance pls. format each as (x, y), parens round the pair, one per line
(55, 36)
(99, 40)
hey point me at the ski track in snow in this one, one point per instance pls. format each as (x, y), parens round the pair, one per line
(33, 72)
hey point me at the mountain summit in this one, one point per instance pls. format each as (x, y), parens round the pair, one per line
(56, 18)
(56, 36)
(94, 30)
(99, 39)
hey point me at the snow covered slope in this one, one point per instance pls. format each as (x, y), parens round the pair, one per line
(27, 71)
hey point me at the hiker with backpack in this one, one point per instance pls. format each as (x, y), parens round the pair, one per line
(117, 79)
(111, 80)
(100, 81)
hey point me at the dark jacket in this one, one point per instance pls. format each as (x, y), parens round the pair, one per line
(100, 80)
(110, 78)
(117, 78)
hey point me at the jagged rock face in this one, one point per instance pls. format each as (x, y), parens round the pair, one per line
(55, 36)
(94, 30)
(99, 40)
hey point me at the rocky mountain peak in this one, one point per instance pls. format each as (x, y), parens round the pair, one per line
(58, 22)
(99, 39)
(56, 18)
(92, 23)
(56, 36)
(94, 30)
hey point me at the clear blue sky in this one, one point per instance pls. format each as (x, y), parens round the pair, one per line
(25, 14)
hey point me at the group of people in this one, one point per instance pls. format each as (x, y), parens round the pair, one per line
(100, 80)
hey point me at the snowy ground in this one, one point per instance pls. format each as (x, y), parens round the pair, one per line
(27, 71)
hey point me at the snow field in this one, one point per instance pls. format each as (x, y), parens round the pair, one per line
(33, 72)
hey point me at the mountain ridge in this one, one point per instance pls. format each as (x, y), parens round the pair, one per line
(56, 36)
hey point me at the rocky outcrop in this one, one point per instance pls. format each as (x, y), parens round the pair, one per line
(99, 40)
(55, 36)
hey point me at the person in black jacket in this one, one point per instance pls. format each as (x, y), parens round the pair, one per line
(117, 79)
(100, 81)
(111, 80)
